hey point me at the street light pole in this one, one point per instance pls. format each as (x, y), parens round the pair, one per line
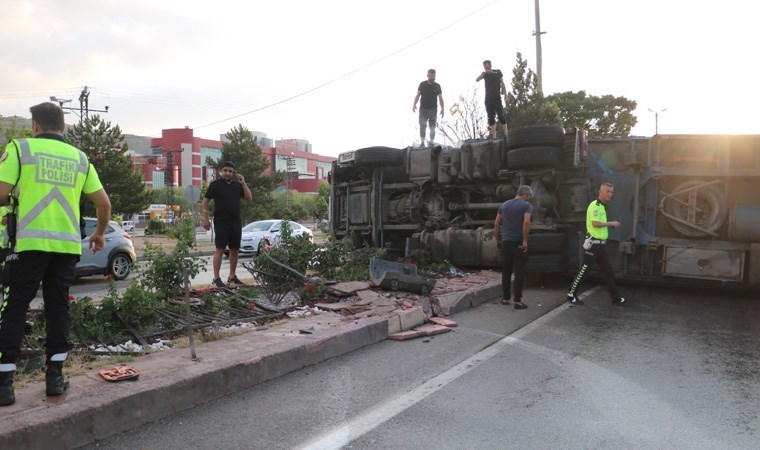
(657, 119)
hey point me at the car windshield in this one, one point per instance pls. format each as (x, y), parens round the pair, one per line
(261, 225)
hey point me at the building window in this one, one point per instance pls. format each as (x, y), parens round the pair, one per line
(159, 179)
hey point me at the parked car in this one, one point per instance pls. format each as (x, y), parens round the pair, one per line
(116, 257)
(128, 225)
(258, 234)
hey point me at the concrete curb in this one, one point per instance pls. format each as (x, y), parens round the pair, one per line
(171, 382)
(454, 302)
(93, 409)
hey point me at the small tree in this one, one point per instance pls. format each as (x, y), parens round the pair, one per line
(322, 201)
(527, 105)
(104, 146)
(467, 119)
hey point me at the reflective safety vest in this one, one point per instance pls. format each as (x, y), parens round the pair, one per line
(596, 212)
(51, 179)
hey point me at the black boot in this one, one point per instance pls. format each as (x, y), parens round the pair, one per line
(7, 397)
(55, 384)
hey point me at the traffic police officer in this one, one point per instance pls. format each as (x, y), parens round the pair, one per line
(597, 230)
(42, 179)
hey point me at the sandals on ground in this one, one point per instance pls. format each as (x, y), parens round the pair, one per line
(505, 301)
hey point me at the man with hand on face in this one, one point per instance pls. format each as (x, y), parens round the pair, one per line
(226, 193)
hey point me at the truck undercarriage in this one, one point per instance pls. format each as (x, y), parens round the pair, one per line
(689, 204)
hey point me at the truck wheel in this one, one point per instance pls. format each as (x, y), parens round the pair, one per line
(378, 155)
(539, 135)
(547, 243)
(546, 263)
(710, 215)
(534, 157)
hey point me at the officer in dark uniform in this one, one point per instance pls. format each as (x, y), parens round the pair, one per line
(597, 230)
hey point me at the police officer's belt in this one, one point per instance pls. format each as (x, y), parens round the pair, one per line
(597, 241)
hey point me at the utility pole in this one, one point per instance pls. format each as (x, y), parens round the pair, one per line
(537, 34)
(84, 105)
(657, 119)
(290, 168)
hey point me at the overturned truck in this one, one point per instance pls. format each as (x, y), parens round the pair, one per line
(689, 204)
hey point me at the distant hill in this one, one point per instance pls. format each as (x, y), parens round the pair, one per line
(21, 122)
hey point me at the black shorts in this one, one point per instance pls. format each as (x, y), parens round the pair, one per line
(228, 233)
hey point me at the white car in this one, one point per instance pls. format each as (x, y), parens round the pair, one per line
(257, 235)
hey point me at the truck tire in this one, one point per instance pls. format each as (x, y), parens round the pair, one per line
(710, 201)
(534, 157)
(547, 243)
(535, 136)
(546, 263)
(372, 156)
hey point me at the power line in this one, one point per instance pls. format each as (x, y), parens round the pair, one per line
(390, 55)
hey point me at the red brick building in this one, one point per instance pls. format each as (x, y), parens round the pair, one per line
(179, 159)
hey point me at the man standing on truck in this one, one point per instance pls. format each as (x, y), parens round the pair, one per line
(511, 229)
(494, 83)
(429, 91)
(597, 230)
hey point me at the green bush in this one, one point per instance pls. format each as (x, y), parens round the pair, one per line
(156, 226)
(164, 273)
(184, 231)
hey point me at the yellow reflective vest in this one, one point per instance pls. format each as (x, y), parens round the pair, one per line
(596, 212)
(50, 176)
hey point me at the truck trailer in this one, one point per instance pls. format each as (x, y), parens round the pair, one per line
(689, 205)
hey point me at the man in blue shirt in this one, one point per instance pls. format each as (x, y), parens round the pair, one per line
(511, 229)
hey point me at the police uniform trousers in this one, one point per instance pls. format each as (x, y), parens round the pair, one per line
(597, 253)
(22, 275)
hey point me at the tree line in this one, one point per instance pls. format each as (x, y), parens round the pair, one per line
(104, 145)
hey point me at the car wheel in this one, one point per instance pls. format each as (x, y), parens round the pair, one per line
(119, 266)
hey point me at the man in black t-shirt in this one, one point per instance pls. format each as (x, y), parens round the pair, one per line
(494, 83)
(226, 193)
(429, 91)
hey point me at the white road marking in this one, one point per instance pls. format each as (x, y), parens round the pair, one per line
(375, 417)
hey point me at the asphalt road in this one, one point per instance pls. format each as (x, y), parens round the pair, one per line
(674, 369)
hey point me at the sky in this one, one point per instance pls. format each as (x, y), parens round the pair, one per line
(343, 74)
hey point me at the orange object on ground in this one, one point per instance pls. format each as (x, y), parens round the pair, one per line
(121, 373)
